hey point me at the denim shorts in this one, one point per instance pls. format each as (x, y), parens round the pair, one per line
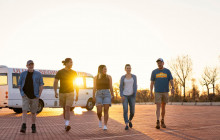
(103, 96)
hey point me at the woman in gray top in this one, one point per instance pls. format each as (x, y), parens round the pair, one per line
(128, 90)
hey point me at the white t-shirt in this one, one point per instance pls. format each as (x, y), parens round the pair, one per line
(128, 86)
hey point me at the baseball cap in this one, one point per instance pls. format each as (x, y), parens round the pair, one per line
(160, 59)
(29, 62)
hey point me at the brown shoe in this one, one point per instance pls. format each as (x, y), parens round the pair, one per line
(158, 124)
(67, 128)
(163, 124)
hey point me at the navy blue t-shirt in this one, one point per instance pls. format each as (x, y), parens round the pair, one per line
(161, 79)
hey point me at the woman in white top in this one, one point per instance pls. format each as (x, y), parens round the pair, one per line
(128, 90)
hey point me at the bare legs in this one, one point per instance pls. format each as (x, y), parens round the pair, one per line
(159, 105)
(99, 112)
(106, 108)
(66, 112)
(24, 116)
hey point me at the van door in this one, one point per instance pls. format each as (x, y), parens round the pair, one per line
(3, 90)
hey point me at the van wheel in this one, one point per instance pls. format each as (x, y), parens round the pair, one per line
(72, 108)
(40, 106)
(90, 104)
(17, 110)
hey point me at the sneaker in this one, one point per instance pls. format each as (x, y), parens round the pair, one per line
(126, 127)
(130, 125)
(158, 125)
(33, 127)
(67, 128)
(163, 124)
(23, 128)
(100, 124)
(105, 127)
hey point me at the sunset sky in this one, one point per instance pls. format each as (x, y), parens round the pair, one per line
(110, 32)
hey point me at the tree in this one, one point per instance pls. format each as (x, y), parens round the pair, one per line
(213, 77)
(177, 91)
(195, 90)
(206, 79)
(218, 89)
(116, 90)
(182, 68)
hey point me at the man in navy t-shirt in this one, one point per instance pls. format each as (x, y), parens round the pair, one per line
(160, 79)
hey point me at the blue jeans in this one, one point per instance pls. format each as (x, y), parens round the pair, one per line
(131, 101)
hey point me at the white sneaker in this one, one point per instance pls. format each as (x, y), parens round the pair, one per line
(100, 124)
(105, 127)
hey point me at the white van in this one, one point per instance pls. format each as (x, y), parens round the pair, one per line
(10, 95)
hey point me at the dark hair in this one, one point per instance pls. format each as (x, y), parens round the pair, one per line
(67, 60)
(100, 68)
(127, 65)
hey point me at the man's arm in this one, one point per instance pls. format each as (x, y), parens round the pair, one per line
(40, 90)
(172, 84)
(55, 86)
(41, 85)
(77, 93)
(151, 88)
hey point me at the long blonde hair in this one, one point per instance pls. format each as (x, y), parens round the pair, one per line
(100, 71)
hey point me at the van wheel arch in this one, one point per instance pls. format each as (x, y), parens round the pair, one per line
(40, 106)
(17, 110)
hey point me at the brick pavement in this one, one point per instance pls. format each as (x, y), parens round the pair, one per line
(183, 122)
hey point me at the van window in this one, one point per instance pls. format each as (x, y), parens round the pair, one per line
(48, 81)
(89, 82)
(3, 79)
(15, 78)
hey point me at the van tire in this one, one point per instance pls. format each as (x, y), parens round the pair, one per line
(90, 104)
(72, 108)
(17, 110)
(40, 106)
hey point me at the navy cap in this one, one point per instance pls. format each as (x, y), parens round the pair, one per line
(29, 62)
(160, 59)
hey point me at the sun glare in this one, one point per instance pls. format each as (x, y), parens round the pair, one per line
(79, 110)
(79, 81)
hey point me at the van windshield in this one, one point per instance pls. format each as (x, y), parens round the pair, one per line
(3, 79)
(47, 79)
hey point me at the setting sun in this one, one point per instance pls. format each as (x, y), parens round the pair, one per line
(79, 81)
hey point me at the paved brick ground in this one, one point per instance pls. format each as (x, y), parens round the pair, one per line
(183, 122)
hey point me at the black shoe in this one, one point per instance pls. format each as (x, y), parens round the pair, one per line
(126, 127)
(163, 124)
(130, 125)
(23, 128)
(158, 125)
(33, 128)
(67, 128)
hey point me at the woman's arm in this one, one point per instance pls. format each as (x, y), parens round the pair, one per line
(121, 87)
(110, 82)
(94, 86)
(135, 85)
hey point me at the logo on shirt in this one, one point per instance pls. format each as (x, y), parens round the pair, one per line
(161, 75)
